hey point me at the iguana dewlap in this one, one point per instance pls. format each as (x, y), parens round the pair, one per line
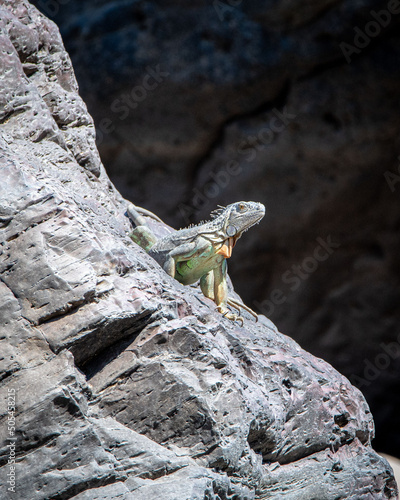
(200, 252)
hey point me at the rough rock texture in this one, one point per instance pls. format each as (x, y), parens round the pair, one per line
(222, 69)
(127, 384)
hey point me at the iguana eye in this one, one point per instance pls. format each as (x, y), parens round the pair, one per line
(242, 207)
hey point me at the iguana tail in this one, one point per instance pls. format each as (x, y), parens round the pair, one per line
(142, 234)
(135, 216)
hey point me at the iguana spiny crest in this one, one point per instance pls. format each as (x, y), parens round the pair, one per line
(227, 224)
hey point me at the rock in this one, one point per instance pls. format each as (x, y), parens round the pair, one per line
(188, 102)
(117, 381)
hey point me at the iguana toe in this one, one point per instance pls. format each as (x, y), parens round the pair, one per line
(231, 316)
(237, 305)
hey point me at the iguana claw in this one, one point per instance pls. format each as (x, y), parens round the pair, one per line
(227, 314)
(238, 305)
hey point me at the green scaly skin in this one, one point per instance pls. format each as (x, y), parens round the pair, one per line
(200, 252)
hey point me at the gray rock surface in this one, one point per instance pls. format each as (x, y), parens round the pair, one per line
(225, 68)
(128, 385)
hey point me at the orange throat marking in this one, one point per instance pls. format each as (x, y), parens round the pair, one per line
(227, 247)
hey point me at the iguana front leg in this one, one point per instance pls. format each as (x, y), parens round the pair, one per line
(178, 254)
(214, 286)
(186, 252)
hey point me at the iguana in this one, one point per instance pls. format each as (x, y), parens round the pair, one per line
(199, 252)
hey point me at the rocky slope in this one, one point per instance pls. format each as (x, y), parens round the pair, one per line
(116, 381)
(294, 104)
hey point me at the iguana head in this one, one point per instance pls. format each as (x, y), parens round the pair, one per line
(240, 216)
(233, 220)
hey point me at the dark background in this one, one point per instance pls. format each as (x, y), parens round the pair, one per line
(291, 103)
